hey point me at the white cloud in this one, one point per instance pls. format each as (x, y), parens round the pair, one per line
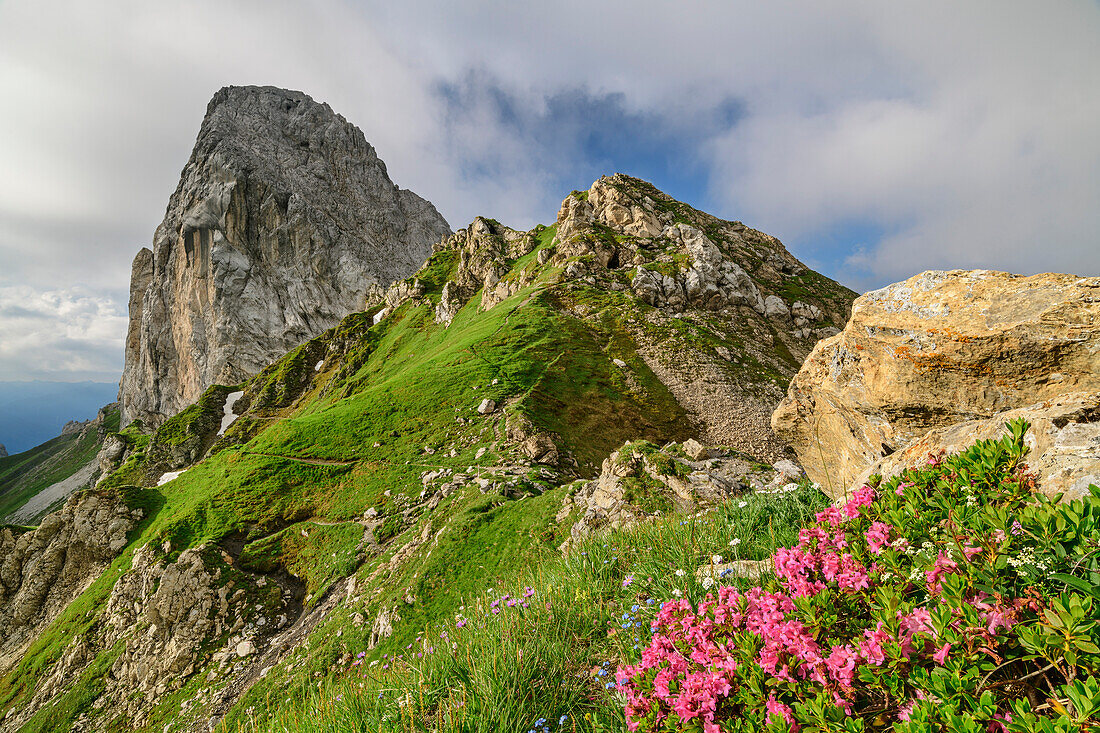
(990, 161)
(966, 133)
(62, 335)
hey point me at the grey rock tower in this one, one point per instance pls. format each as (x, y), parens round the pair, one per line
(283, 218)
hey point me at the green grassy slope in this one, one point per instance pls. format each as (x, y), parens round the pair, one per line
(416, 378)
(25, 474)
(575, 643)
(322, 476)
(551, 651)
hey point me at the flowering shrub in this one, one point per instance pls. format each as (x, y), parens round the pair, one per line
(951, 598)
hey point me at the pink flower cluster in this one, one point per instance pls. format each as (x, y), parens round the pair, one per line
(693, 668)
(821, 559)
(698, 659)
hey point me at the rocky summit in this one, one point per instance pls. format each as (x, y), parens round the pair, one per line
(283, 220)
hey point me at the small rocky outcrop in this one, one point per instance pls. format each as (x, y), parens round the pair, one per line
(111, 454)
(533, 443)
(41, 570)
(641, 480)
(937, 350)
(173, 618)
(711, 280)
(3, 451)
(283, 221)
(484, 252)
(74, 426)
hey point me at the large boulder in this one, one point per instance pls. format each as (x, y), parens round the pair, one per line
(938, 349)
(284, 220)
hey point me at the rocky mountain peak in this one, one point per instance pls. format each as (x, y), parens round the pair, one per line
(283, 220)
(637, 214)
(719, 312)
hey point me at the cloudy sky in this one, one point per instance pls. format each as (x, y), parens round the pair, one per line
(876, 139)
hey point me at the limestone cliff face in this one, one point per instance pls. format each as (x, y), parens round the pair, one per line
(284, 218)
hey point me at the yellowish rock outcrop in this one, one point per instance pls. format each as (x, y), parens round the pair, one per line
(938, 349)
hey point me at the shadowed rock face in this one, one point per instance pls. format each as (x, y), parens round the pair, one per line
(940, 349)
(283, 219)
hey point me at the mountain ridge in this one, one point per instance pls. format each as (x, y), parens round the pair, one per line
(35, 411)
(424, 446)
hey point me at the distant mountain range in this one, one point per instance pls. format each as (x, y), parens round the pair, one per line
(33, 412)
